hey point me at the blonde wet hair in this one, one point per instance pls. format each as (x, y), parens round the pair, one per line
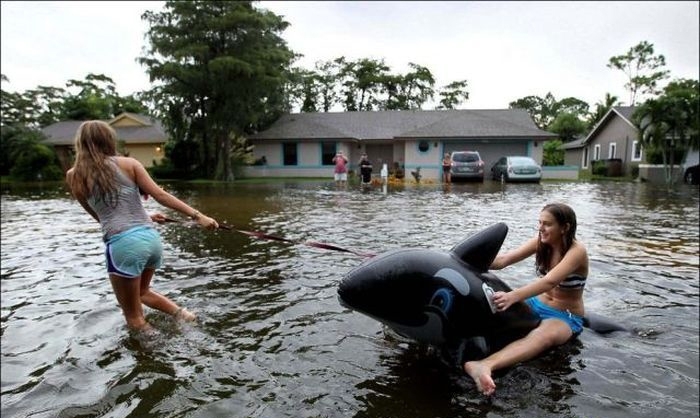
(93, 174)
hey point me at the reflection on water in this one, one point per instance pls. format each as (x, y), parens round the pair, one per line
(272, 340)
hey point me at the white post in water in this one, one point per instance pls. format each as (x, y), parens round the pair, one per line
(384, 173)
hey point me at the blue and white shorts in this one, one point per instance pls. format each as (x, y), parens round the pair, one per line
(130, 252)
(545, 311)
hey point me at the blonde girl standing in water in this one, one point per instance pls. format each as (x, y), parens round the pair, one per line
(109, 188)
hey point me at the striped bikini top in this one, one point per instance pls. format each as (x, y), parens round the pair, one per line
(572, 281)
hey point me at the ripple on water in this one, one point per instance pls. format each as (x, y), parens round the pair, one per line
(273, 341)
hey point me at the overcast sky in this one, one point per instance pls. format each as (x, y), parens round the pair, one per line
(505, 50)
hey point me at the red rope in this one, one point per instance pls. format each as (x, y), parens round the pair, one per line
(262, 235)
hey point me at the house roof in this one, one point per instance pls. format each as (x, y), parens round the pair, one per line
(405, 124)
(624, 112)
(143, 130)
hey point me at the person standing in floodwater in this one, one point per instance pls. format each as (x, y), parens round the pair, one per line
(109, 188)
(365, 170)
(447, 168)
(340, 173)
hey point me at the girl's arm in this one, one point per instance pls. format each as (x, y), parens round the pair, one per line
(148, 186)
(511, 257)
(572, 262)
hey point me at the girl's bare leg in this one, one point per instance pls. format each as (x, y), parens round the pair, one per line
(127, 291)
(155, 300)
(550, 333)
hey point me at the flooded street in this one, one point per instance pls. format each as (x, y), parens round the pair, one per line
(272, 339)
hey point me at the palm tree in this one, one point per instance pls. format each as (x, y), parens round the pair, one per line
(671, 122)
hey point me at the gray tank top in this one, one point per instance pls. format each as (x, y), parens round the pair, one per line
(127, 213)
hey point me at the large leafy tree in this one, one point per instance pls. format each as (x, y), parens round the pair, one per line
(327, 75)
(362, 83)
(413, 89)
(365, 84)
(95, 97)
(541, 109)
(222, 71)
(671, 122)
(453, 94)
(644, 69)
(34, 108)
(544, 110)
(568, 126)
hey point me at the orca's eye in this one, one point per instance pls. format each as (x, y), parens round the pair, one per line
(442, 299)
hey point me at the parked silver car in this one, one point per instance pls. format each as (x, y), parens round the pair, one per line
(467, 165)
(516, 168)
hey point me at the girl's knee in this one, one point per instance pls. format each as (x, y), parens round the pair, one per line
(553, 332)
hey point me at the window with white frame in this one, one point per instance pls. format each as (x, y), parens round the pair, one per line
(612, 148)
(596, 152)
(584, 159)
(636, 151)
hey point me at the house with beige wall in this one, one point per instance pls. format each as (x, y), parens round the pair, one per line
(139, 137)
(303, 144)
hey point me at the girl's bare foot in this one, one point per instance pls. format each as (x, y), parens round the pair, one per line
(481, 374)
(182, 314)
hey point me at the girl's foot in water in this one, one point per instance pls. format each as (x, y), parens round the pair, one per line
(481, 374)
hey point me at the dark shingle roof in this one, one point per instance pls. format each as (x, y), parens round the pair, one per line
(404, 124)
(625, 111)
(151, 131)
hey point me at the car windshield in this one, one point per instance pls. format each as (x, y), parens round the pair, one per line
(466, 157)
(522, 161)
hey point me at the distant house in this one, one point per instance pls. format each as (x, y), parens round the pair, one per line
(303, 144)
(140, 137)
(614, 137)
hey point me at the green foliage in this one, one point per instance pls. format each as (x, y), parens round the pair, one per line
(656, 155)
(368, 84)
(222, 68)
(544, 110)
(553, 153)
(601, 108)
(669, 124)
(599, 168)
(94, 97)
(568, 126)
(453, 94)
(642, 68)
(25, 157)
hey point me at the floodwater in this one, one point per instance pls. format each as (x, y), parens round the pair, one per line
(272, 339)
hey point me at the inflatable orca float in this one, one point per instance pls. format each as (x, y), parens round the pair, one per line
(443, 298)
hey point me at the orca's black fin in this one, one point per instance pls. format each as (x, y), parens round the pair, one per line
(480, 249)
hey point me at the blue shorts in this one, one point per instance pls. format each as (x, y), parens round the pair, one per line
(544, 311)
(130, 252)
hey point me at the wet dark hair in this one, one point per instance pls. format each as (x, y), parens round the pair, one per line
(564, 215)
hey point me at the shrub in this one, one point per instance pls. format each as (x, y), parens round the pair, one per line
(599, 168)
(36, 162)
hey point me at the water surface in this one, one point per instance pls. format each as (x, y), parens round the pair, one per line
(273, 341)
